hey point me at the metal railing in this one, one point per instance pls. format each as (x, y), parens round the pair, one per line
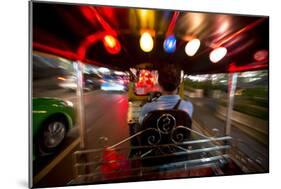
(123, 162)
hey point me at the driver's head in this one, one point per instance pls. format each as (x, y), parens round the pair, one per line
(169, 77)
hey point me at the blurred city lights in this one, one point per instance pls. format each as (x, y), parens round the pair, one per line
(112, 87)
(217, 54)
(111, 44)
(198, 77)
(192, 47)
(61, 78)
(103, 70)
(119, 73)
(170, 44)
(69, 103)
(261, 55)
(146, 42)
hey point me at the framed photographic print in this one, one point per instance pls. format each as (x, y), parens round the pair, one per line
(125, 94)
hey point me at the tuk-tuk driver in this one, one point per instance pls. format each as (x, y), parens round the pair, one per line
(169, 77)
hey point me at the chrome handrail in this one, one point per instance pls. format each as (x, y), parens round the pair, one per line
(154, 151)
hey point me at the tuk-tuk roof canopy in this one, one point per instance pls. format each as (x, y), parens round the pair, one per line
(76, 32)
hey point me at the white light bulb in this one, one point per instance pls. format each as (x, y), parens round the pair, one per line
(192, 47)
(217, 54)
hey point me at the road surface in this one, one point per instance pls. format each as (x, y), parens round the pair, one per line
(106, 118)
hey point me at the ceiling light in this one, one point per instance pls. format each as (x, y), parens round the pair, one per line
(217, 54)
(192, 47)
(146, 42)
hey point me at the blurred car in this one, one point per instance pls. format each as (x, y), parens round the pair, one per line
(113, 83)
(52, 119)
(90, 82)
(46, 73)
(68, 82)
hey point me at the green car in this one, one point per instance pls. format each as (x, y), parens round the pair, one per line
(52, 119)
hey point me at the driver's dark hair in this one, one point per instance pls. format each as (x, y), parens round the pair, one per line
(169, 77)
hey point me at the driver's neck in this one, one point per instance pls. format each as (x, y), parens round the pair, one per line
(175, 92)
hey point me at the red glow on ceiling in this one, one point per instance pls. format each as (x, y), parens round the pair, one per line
(92, 14)
(90, 40)
(172, 23)
(88, 13)
(52, 50)
(111, 44)
(242, 47)
(104, 24)
(239, 32)
(233, 68)
(108, 12)
(83, 47)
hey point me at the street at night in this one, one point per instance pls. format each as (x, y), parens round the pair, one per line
(106, 128)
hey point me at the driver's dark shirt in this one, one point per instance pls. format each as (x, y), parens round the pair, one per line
(166, 102)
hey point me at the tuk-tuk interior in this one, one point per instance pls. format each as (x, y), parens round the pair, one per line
(111, 42)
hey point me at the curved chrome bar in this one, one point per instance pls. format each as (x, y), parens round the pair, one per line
(135, 135)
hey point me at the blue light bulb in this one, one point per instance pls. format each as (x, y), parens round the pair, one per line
(170, 44)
